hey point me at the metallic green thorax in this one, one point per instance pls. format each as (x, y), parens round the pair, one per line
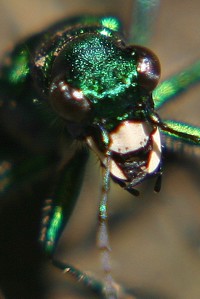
(94, 60)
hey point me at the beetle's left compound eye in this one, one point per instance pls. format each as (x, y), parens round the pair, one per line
(148, 67)
(68, 102)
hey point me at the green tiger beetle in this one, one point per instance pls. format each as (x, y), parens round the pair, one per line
(78, 83)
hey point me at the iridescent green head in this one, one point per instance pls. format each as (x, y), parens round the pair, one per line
(96, 78)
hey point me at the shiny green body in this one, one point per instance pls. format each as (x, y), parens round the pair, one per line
(34, 138)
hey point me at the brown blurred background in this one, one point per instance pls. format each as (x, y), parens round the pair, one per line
(155, 239)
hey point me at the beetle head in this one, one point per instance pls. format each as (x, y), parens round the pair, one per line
(96, 79)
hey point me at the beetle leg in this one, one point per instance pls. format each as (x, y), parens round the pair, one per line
(57, 211)
(103, 243)
(187, 133)
(170, 88)
(184, 132)
(59, 205)
(81, 277)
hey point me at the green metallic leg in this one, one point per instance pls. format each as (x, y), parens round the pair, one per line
(59, 205)
(176, 143)
(108, 288)
(176, 84)
(185, 129)
(57, 211)
(184, 132)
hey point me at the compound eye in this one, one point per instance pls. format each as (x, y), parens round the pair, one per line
(148, 67)
(68, 102)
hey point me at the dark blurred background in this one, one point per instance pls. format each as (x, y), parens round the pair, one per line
(155, 238)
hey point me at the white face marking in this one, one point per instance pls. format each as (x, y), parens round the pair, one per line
(155, 154)
(130, 136)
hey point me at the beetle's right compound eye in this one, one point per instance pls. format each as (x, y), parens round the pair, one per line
(68, 102)
(148, 67)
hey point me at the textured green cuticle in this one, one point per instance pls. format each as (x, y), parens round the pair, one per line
(99, 68)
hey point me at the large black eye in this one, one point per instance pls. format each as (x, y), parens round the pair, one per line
(68, 102)
(148, 67)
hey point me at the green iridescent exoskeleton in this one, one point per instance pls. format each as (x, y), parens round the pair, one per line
(79, 81)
